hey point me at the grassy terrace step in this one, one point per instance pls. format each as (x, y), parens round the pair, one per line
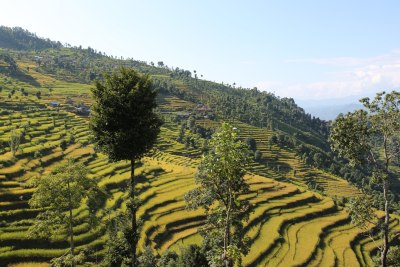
(30, 264)
(18, 255)
(172, 231)
(20, 240)
(275, 226)
(337, 247)
(15, 194)
(165, 204)
(177, 237)
(263, 210)
(9, 184)
(12, 205)
(304, 239)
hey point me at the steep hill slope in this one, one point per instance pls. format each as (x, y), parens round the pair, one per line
(294, 220)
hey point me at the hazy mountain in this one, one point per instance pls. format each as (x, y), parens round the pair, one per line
(329, 109)
(330, 112)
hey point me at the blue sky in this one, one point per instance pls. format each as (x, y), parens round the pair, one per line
(300, 49)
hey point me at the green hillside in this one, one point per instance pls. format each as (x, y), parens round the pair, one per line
(298, 192)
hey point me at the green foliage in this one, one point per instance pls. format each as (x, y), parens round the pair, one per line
(370, 138)
(362, 213)
(12, 65)
(14, 141)
(257, 155)
(69, 260)
(181, 135)
(251, 143)
(147, 258)
(66, 182)
(393, 258)
(18, 38)
(60, 192)
(349, 135)
(273, 139)
(118, 250)
(360, 135)
(63, 144)
(125, 126)
(221, 183)
(192, 255)
(191, 123)
(168, 259)
(122, 121)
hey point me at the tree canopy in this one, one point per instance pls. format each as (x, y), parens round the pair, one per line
(370, 138)
(123, 120)
(58, 194)
(221, 183)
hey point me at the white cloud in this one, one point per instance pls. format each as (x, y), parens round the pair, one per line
(359, 77)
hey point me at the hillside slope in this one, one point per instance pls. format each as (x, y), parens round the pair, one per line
(294, 219)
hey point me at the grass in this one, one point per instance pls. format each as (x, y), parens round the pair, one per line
(30, 264)
(304, 237)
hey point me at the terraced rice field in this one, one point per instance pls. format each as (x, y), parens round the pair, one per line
(288, 226)
(281, 163)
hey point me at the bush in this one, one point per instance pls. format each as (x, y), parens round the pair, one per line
(393, 257)
(251, 143)
(257, 155)
(168, 259)
(37, 154)
(193, 256)
(67, 260)
(147, 258)
(63, 144)
(118, 250)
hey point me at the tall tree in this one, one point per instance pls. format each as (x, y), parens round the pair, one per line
(221, 184)
(124, 124)
(58, 194)
(370, 137)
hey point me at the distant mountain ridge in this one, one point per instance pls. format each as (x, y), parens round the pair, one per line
(19, 39)
(330, 112)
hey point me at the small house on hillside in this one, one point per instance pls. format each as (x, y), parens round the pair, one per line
(203, 109)
(183, 114)
(54, 104)
(82, 110)
(37, 58)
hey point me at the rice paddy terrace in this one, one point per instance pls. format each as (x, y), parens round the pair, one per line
(289, 224)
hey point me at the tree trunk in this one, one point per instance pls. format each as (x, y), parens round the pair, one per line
(385, 247)
(133, 210)
(227, 233)
(386, 244)
(225, 258)
(71, 228)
